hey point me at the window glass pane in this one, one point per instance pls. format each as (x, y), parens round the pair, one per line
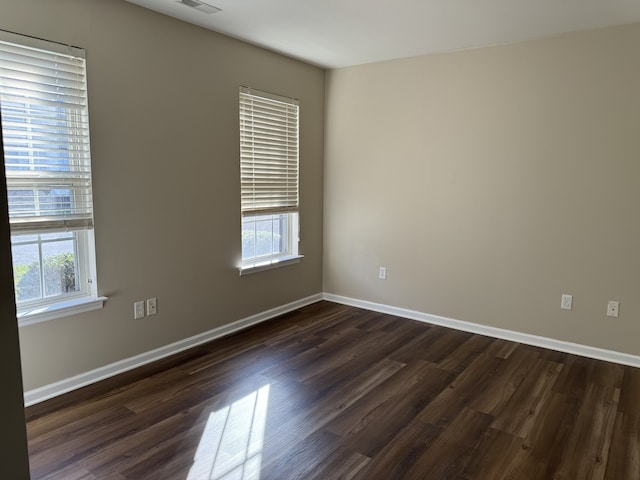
(248, 239)
(15, 239)
(26, 272)
(59, 267)
(54, 236)
(264, 236)
(45, 265)
(279, 233)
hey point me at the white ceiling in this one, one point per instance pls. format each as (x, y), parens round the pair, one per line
(338, 33)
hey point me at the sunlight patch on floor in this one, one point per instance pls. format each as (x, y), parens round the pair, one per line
(231, 445)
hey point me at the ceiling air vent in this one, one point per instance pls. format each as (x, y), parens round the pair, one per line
(200, 6)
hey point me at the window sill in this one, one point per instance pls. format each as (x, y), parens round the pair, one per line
(259, 267)
(61, 309)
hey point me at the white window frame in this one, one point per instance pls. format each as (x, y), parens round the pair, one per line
(269, 172)
(33, 73)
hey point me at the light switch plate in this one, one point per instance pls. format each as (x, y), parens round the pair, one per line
(152, 306)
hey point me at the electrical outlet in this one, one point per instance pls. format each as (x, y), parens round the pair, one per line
(382, 273)
(152, 306)
(613, 308)
(138, 310)
(566, 302)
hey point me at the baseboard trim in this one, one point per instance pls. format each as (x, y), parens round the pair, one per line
(46, 392)
(544, 342)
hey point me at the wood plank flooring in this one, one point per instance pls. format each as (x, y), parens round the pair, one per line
(335, 392)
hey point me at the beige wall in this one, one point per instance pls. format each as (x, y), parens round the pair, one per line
(14, 462)
(491, 181)
(163, 99)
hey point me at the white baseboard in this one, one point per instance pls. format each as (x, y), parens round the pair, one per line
(37, 395)
(544, 342)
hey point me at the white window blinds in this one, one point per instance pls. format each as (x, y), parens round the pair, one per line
(268, 153)
(45, 127)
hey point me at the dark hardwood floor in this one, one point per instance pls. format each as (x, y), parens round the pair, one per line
(335, 392)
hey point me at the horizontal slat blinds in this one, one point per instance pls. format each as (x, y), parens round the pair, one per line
(45, 127)
(268, 153)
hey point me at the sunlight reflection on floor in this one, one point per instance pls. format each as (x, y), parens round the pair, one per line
(232, 441)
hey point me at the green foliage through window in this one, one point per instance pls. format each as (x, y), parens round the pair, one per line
(59, 276)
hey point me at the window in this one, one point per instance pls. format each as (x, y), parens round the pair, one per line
(269, 179)
(45, 128)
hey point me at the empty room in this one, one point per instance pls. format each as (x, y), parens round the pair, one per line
(320, 240)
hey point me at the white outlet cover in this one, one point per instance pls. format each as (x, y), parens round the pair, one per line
(566, 302)
(138, 310)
